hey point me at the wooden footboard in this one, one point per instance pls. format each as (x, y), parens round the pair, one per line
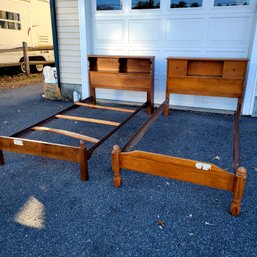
(45, 149)
(196, 172)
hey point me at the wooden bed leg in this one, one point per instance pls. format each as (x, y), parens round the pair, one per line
(1, 157)
(150, 107)
(149, 110)
(83, 162)
(92, 94)
(238, 191)
(166, 110)
(116, 166)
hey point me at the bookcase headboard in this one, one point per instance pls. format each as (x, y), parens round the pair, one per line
(133, 73)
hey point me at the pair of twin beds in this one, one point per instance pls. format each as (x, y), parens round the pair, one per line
(207, 77)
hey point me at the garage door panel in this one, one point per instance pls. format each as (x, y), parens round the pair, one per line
(186, 32)
(109, 31)
(146, 31)
(233, 31)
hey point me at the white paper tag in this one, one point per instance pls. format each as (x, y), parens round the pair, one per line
(203, 166)
(18, 142)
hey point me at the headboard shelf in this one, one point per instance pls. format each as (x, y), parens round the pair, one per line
(225, 68)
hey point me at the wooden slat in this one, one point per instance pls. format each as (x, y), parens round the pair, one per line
(177, 168)
(40, 148)
(67, 133)
(104, 122)
(104, 107)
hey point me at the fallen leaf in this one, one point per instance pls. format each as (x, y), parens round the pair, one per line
(208, 224)
(160, 223)
(216, 158)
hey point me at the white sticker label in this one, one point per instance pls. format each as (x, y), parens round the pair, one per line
(203, 166)
(18, 142)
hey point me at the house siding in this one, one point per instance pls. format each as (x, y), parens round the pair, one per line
(67, 16)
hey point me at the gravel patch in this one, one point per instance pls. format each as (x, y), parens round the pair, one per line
(45, 210)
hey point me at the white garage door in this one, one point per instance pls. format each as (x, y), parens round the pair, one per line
(163, 28)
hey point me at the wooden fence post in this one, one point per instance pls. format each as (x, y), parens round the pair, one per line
(26, 57)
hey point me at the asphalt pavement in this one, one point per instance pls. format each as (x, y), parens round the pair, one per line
(45, 210)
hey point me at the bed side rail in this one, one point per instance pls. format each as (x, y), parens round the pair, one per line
(143, 129)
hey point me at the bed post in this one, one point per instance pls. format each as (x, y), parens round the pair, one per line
(166, 110)
(236, 137)
(92, 94)
(167, 95)
(83, 162)
(1, 157)
(116, 165)
(149, 108)
(238, 191)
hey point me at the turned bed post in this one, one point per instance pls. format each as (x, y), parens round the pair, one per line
(238, 191)
(83, 162)
(116, 165)
(1, 157)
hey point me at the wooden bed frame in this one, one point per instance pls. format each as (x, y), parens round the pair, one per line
(139, 68)
(207, 77)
